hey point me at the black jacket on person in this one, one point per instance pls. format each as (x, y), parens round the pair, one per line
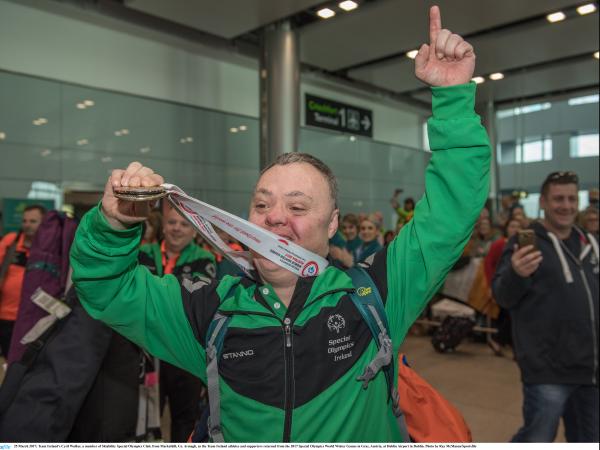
(554, 312)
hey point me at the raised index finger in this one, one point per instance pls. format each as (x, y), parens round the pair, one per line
(435, 23)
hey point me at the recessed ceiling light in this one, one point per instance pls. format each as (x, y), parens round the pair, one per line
(2, 135)
(478, 80)
(46, 152)
(40, 121)
(352, 138)
(89, 102)
(81, 106)
(125, 131)
(144, 149)
(596, 55)
(233, 130)
(556, 17)
(496, 76)
(586, 9)
(106, 159)
(243, 128)
(325, 13)
(189, 139)
(348, 5)
(412, 54)
(118, 133)
(82, 142)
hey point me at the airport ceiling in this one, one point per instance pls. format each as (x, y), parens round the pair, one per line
(367, 46)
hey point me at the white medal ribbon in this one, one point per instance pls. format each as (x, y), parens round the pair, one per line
(288, 255)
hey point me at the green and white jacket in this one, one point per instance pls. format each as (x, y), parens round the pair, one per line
(301, 386)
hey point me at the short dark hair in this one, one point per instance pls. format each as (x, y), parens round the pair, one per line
(296, 157)
(37, 206)
(562, 177)
(351, 219)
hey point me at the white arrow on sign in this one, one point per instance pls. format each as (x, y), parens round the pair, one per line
(366, 123)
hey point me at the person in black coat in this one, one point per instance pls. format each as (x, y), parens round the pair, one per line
(551, 291)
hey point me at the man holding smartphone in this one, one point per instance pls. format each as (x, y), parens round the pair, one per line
(550, 286)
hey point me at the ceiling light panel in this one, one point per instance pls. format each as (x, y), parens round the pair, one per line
(556, 17)
(586, 9)
(348, 5)
(326, 13)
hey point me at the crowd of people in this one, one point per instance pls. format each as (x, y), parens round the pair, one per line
(311, 354)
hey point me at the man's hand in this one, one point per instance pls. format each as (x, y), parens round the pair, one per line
(525, 261)
(448, 59)
(120, 213)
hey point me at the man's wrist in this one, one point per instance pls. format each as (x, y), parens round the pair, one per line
(114, 223)
(452, 102)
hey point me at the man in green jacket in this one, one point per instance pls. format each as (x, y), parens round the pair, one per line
(177, 254)
(295, 346)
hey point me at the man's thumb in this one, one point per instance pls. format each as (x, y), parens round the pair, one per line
(422, 57)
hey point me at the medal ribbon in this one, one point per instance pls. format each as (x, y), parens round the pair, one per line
(282, 252)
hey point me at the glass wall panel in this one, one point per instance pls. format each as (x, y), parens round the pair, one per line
(61, 137)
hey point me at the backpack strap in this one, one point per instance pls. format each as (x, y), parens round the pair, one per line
(368, 301)
(215, 336)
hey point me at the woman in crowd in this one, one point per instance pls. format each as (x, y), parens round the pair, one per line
(368, 233)
(503, 337)
(483, 236)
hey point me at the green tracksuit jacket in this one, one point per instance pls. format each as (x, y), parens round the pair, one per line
(300, 386)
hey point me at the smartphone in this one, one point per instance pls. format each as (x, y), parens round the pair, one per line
(526, 237)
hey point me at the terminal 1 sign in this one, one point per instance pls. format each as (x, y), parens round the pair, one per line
(324, 113)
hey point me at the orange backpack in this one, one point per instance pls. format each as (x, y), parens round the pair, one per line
(429, 416)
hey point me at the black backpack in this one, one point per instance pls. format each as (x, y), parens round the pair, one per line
(451, 333)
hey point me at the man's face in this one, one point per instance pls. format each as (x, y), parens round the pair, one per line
(178, 231)
(30, 222)
(294, 202)
(560, 205)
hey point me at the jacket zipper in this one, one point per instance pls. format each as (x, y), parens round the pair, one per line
(288, 355)
(288, 352)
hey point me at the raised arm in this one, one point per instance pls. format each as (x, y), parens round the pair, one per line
(456, 180)
(113, 288)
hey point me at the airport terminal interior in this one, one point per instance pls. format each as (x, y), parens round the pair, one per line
(207, 92)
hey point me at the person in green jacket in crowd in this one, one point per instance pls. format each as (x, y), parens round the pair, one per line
(177, 254)
(295, 346)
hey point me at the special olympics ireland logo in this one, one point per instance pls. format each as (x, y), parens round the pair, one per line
(335, 323)
(310, 269)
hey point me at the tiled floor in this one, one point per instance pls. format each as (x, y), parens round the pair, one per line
(484, 387)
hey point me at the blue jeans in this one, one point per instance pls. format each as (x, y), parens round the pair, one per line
(545, 404)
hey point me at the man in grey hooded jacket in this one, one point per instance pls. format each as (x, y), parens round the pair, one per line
(551, 292)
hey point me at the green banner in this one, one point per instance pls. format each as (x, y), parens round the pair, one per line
(12, 211)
